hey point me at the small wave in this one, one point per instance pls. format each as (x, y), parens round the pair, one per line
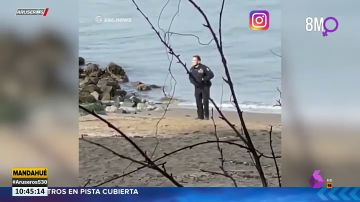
(245, 107)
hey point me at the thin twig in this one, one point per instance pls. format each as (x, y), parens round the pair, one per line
(273, 154)
(276, 54)
(174, 152)
(169, 72)
(220, 21)
(193, 35)
(222, 159)
(87, 182)
(116, 153)
(278, 100)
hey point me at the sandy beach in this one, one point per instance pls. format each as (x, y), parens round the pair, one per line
(176, 130)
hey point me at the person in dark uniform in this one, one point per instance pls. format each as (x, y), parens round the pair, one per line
(200, 76)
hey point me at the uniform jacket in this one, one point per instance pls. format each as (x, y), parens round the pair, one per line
(201, 76)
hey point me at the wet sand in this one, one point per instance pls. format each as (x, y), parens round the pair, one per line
(176, 130)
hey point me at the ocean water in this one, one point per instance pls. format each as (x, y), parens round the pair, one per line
(124, 37)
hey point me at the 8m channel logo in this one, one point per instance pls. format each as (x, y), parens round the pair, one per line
(320, 24)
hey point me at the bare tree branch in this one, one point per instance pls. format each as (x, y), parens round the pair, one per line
(174, 152)
(276, 54)
(222, 159)
(278, 100)
(273, 154)
(169, 73)
(147, 159)
(193, 35)
(222, 174)
(116, 153)
(222, 116)
(230, 83)
(220, 21)
(87, 182)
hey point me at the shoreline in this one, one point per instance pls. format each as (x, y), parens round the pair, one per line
(177, 121)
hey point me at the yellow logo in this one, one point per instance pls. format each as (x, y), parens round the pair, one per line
(41, 173)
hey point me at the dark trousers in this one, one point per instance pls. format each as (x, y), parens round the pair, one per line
(202, 95)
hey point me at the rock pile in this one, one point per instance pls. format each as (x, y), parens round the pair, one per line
(97, 84)
(102, 86)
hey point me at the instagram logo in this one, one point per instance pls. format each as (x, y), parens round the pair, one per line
(259, 20)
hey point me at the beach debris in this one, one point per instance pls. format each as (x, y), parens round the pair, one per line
(151, 107)
(111, 109)
(124, 112)
(141, 106)
(135, 100)
(128, 109)
(146, 106)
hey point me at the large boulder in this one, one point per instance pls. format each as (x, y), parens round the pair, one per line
(107, 93)
(105, 74)
(82, 74)
(95, 74)
(87, 81)
(91, 68)
(86, 97)
(116, 69)
(81, 69)
(117, 72)
(91, 88)
(108, 82)
(93, 80)
(122, 79)
(81, 61)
